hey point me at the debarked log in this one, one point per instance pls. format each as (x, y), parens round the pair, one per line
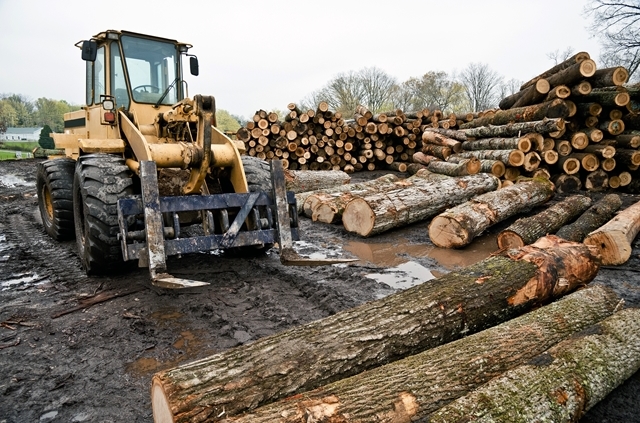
(614, 238)
(412, 388)
(377, 213)
(560, 384)
(306, 357)
(459, 225)
(526, 230)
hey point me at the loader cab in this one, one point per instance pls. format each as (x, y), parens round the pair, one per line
(140, 73)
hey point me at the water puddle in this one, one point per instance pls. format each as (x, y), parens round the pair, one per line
(317, 251)
(22, 281)
(404, 276)
(12, 181)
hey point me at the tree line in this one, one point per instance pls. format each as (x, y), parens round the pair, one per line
(17, 110)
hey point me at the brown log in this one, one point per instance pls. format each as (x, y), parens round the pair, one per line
(450, 133)
(550, 156)
(618, 97)
(530, 95)
(614, 238)
(398, 166)
(552, 109)
(609, 77)
(566, 184)
(608, 164)
(536, 139)
(594, 134)
(573, 73)
(596, 216)
(515, 129)
(301, 181)
(378, 213)
(459, 225)
(531, 161)
(598, 180)
(588, 161)
(508, 157)
(519, 143)
(413, 168)
(424, 159)
(439, 139)
(494, 167)
(627, 157)
(561, 91)
(579, 140)
(462, 168)
(605, 151)
(625, 178)
(511, 173)
(560, 384)
(412, 388)
(527, 230)
(613, 127)
(563, 147)
(581, 88)
(439, 151)
(569, 165)
(576, 58)
(589, 109)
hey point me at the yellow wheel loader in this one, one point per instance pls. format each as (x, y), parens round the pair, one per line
(146, 174)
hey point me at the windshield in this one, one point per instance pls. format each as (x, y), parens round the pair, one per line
(153, 68)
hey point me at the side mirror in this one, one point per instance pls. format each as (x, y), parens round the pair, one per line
(193, 65)
(89, 51)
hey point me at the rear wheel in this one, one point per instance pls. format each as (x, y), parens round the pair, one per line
(54, 182)
(100, 181)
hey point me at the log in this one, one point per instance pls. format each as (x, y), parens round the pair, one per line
(613, 127)
(551, 109)
(609, 98)
(604, 151)
(573, 73)
(426, 381)
(566, 184)
(494, 167)
(459, 225)
(531, 161)
(561, 384)
(569, 165)
(595, 216)
(439, 151)
(398, 167)
(576, 58)
(561, 91)
(349, 342)
(302, 181)
(508, 157)
(439, 139)
(628, 157)
(581, 88)
(424, 159)
(462, 168)
(526, 230)
(530, 95)
(629, 139)
(381, 212)
(588, 161)
(614, 238)
(515, 129)
(450, 133)
(518, 143)
(609, 77)
(550, 156)
(413, 168)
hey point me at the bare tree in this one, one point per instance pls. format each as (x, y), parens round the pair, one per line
(481, 86)
(509, 87)
(560, 56)
(377, 87)
(617, 24)
(402, 97)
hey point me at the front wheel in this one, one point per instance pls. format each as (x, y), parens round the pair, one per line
(54, 183)
(100, 181)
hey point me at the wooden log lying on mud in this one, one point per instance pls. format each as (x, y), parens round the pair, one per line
(561, 384)
(457, 304)
(377, 213)
(526, 230)
(459, 225)
(414, 387)
(595, 216)
(306, 180)
(614, 238)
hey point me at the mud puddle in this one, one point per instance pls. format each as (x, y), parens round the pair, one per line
(12, 181)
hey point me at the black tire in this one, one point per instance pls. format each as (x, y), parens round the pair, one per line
(258, 174)
(54, 182)
(100, 181)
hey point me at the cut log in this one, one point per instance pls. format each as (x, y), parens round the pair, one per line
(581, 88)
(550, 157)
(450, 133)
(613, 127)
(380, 212)
(423, 158)
(494, 167)
(508, 157)
(349, 342)
(569, 165)
(576, 58)
(515, 129)
(579, 140)
(573, 73)
(588, 161)
(614, 238)
(625, 178)
(560, 384)
(604, 151)
(410, 389)
(301, 181)
(439, 139)
(563, 147)
(526, 230)
(609, 77)
(530, 95)
(561, 91)
(566, 184)
(413, 168)
(531, 161)
(519, 143)
(596, 216)
(398, 166)
(608, 164)
(551, 109)
(609, 98)
(629, 139)
(589, 109)
(462, 168)
(439, 151)
(459, 225)
(628, 157)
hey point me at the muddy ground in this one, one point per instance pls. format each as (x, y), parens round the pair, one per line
(95, 365)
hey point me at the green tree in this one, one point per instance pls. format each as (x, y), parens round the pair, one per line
(45, 140)
(23, 109)
(435, 90)
(226, 122)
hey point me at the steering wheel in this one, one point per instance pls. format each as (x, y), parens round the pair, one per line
(143, 89)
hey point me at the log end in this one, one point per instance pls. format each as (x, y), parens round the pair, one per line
(325, 213)
(446, 232)
(358, 217)
(613, 246)
(160, 404)
(509, 239)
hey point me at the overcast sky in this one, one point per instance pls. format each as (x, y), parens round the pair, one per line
(265, 54)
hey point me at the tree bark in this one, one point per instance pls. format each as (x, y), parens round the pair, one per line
(381, 212)
(526, 230)
(459, 225)
(560, 384)
(531, 161)
(424, 159)
(614, 238)
(597, 215)
(450, 133)
(581, 88)
(412, 388)
(518, 143)
(613, 127)
(508, 157)
(576, 58)
(551, 109)
(494, 167)
(573, 73)
(609, 98)
(628, 157)
(514, 129)
(438, 151)
(561, 91)
(530, 95)
(306, 357)
(462, 168)
(439, 139)
(566, 184)
(609, 77)
(302, 181)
